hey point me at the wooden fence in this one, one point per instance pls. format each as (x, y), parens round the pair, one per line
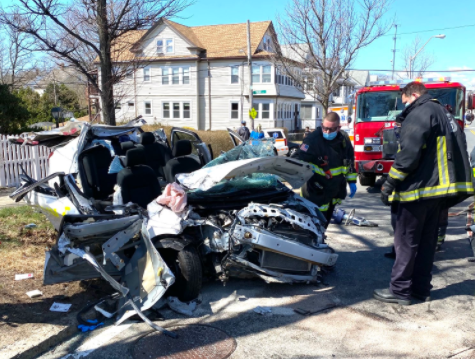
(33, 159)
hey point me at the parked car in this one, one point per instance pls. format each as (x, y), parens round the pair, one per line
(240, 220)
(280, 145)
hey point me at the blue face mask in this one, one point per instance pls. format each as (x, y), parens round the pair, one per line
(329, 136)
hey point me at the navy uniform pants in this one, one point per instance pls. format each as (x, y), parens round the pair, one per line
(415, 241)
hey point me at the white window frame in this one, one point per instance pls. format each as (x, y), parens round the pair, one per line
(231, 110)
(231, 75)
(182, 74)
(166, 45)
(178, 74)
(163, 110)
(181, 109)
(172, 109)
(163, 47)
(260, 73)
(145, 108)
(149, 74)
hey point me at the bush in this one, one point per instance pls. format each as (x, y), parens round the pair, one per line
(219, 140)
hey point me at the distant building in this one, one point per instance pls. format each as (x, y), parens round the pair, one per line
(182, 72)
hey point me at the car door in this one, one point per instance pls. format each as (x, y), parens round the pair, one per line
(200, 150)
(235, 138)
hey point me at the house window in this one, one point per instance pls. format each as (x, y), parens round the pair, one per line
(336, 92)
(265, 110)
(146, 74)
(166, 110)
(131, 104)
(175, 76)
(176, 110)
(256, 107)
(235, 74)
(266, 73)
(165, 73)
(234, 110)
(256, 74)
(118, 106)
(159, 46)
(186, 110)
(186, 75)
(267, 43)
(169, 43)
(148, 107)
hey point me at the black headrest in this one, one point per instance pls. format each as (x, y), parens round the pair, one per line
(135, 157)
(128, 145)
(182, 148)
(147, 138)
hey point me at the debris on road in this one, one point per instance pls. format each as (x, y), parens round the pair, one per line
(183, 308)
(23, 276)
(34, 293)
(301, 311)
(263, 310)
(31, 226)
(60, 307)
(339, 216)
(94, 324)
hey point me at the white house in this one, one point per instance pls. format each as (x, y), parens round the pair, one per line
(199, 77)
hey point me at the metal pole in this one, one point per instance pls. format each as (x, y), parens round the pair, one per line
(209, 95)
(249, 62)
(394, 51)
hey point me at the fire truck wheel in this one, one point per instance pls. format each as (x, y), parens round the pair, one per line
(367, 179)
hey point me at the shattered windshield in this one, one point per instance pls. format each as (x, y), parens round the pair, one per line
(249, 149)
(386, 105)
(255, 181)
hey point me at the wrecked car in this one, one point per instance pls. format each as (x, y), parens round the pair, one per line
(237, 218)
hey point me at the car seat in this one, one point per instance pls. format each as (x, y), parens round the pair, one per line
(97, 182)
(182, 161)
(138, 182)
(127, 145)
(157, 154)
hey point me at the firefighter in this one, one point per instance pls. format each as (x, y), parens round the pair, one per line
(431, 172)
(331, 155)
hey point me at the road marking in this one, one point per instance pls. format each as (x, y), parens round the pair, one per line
(97, 341)
(472, 131)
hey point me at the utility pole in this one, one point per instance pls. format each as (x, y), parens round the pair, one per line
(394, 50)
(209, 95)
(249, 62)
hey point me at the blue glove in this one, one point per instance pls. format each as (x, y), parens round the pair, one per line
(352, 189)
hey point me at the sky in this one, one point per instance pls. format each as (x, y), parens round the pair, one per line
(455, 52)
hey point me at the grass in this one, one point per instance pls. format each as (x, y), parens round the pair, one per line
(22, 250)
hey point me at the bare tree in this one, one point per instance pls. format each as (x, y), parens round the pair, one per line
(17, 65)
(323, 37)
(84, 33)
(415, 62)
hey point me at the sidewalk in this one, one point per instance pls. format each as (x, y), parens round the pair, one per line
(5, 201)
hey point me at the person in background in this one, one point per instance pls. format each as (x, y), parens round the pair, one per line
(243, 131)
(307, 132)
(257, 134)
(331, 155)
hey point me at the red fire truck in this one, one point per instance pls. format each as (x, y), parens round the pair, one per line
(377, 106)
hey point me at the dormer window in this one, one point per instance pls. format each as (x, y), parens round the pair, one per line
(165, 46)
(159, 46)
(266, 42)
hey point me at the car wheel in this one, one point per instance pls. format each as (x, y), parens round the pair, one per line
(186, 266)
(368, 179)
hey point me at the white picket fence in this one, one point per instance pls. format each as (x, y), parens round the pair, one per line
(33, 159)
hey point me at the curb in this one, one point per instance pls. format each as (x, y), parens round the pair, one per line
(48, 343)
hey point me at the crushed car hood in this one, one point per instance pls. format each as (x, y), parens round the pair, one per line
(295, 172)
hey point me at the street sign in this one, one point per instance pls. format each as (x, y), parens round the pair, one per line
(252, 113)
(258, 92)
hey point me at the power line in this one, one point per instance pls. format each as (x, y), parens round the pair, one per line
(390, 70)
(444, 28)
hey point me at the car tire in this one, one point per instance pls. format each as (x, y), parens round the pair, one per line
(367, 179)
(186, 266)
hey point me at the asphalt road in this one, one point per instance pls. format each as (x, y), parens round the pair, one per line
(355, 326)
(470, 134)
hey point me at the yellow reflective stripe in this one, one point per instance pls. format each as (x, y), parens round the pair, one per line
(473, 173)
(428, 192)
(396, 174)
(334, 171)
(442, 160)
(324, 207)
(336, 201)
(351, 176)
